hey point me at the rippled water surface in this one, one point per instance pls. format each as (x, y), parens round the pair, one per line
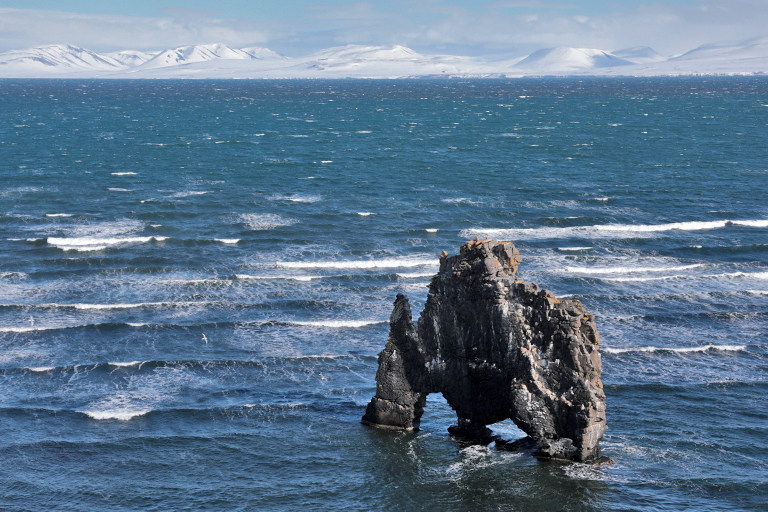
(196, 277)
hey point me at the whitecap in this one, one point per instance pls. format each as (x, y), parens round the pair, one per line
(29, 329)
(123, 173)
(642, 279)
(606, 230)
(264, 221)
(336, 323)
(98, 244)
(114, 189)
(365, 214)
(326, 161)
(679, 350)
(290, 278)
(229, 241)
(565, 249)
(295, 198)
(12, 274)
(115, 414)
(431, 230)
(386, 263)
(40, 369)
(458, 200)
(58, 215)
(363, 131)
(123, 365)
(132, 305)
(416, 275)
(188, 193)
(628, 270)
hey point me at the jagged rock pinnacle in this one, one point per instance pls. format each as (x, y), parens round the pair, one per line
(496, 347)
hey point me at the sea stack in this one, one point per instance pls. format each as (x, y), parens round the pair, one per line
(496, 347)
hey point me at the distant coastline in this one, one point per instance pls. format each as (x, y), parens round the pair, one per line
(209, 61)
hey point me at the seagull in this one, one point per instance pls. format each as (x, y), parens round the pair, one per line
(205, 338)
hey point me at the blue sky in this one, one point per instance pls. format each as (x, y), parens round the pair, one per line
(298, 27)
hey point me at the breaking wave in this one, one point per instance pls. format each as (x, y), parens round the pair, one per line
(264, 221)
(386, 263)
(679, 350)
(99, 244)
(607, 230)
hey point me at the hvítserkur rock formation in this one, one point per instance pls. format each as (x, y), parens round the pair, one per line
(496, 347)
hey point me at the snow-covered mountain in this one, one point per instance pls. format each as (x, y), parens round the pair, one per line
(56, 57)
(222, 61)
(564, 58)
(130, 58)
(204, 53)
(640, 55)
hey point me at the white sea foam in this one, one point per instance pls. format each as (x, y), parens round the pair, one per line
(751, 223)
(290, 278)
(58, 214)
(365, 214)
(12, 274)
(123, 365)
(29, 329)
(458, 200)
(326, 161)
(627, 270)
(680, 350)
(431, 230)
(416, 275)
(642, 279)
(123, 173)
(98, 244)
(386, 263)
(109, 229)
(114, 189)
(566, 249)
(230, 241)
(606, 230)
(751, 275)
(40, 369)
(115, 414)
(758, 292)
(336, 323)
(188, 193)
(296, 198)
(131, 306)
(264, 221)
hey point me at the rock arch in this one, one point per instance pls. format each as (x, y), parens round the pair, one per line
(496, 347)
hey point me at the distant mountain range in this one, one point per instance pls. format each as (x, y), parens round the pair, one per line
(221, 61)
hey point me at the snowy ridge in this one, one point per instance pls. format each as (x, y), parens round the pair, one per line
(565, 58)
(222, 61)
(204, 53)
(58, 57)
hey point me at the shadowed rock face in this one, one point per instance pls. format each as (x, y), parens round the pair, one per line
(496, 347)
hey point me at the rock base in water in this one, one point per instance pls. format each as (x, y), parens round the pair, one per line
(497, 348)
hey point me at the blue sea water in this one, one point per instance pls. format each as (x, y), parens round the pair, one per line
(196, 277)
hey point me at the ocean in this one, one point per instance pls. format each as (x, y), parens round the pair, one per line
(196, 279)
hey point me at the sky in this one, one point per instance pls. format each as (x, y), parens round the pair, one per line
(495, 29)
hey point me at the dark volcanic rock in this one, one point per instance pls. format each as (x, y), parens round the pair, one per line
(496, 347)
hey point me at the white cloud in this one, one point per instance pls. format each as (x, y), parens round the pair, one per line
(22, 28)
(514, 27)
